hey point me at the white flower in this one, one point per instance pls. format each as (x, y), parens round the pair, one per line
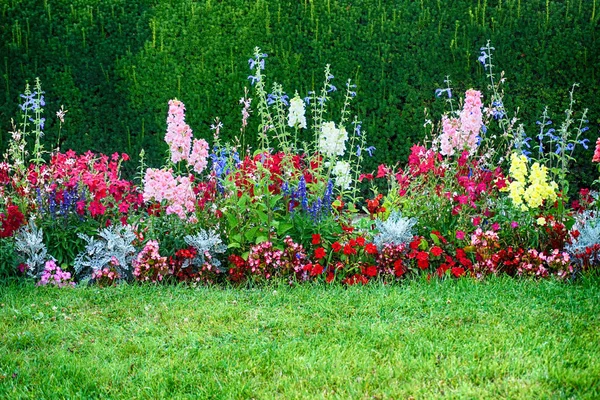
(332, 140)
(341, 170)
(296, 114)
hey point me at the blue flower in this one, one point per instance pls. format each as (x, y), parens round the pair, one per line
(584, 143)
(357, 129)
(254, 79)
(284, 99)
(370, 150)
(483, 57)
(570, 146)
(271, 99)
(439, 92)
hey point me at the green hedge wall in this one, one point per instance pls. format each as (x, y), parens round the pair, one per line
(115, 64)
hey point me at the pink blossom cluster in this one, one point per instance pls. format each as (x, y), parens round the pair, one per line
(294, 258)
(105, 277)
(179, 138)
(461, 133)
(179, 134)
(160, 184)
(483, 239)
(264, 259)
(199, 156)
(149, 266)
(541, 265)
(55, 276)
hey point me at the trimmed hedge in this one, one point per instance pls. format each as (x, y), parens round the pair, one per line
(114, 65)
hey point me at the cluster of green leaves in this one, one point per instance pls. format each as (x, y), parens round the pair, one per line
(115, 64)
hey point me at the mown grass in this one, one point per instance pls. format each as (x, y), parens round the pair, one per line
(499, 338)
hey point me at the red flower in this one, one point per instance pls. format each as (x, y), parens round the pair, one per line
(11, 221)
(370, 271)
(320, 253)
(348, 249)
(399, 269)
(336, 246)
(316, 238)
(96, 208)
(458, 271)
(436, 251)
(414, 245)
(370, 248)
(422, 260)
(330, 276)
(317, 269)
(360, 241)
(382, 171)
(356, 279)
(368, 177)
(348, 229)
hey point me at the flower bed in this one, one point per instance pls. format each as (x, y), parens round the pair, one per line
(474, 199)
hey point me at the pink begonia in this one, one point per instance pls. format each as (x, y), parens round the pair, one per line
(199, 155)
(179, 134)
(460, 133)
(178, 192)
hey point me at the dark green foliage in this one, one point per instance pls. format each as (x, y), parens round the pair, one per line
(115, 64)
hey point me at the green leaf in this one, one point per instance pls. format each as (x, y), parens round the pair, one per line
(251, 233)
(236, 238)
(261, 239)
(435, 239)
(284, 227)
(262, 216)
(232, 220)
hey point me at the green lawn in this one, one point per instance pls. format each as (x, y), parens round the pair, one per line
(499, 338)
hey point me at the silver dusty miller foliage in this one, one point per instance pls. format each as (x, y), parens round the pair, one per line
(29, 243)
(208, 245)
(395, 230)
(588, 226)
(112, 244)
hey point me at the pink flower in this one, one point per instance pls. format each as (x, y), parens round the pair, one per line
(514, 224)
(476, 221)
(198, 156)
(495, 227)
(179, 134)
(460, 235)
(596, 157)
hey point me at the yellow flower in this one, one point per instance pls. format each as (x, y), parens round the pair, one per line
(541, 221)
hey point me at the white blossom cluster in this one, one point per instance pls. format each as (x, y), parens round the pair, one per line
(296, 113)
(333, 140)
(341, 170)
